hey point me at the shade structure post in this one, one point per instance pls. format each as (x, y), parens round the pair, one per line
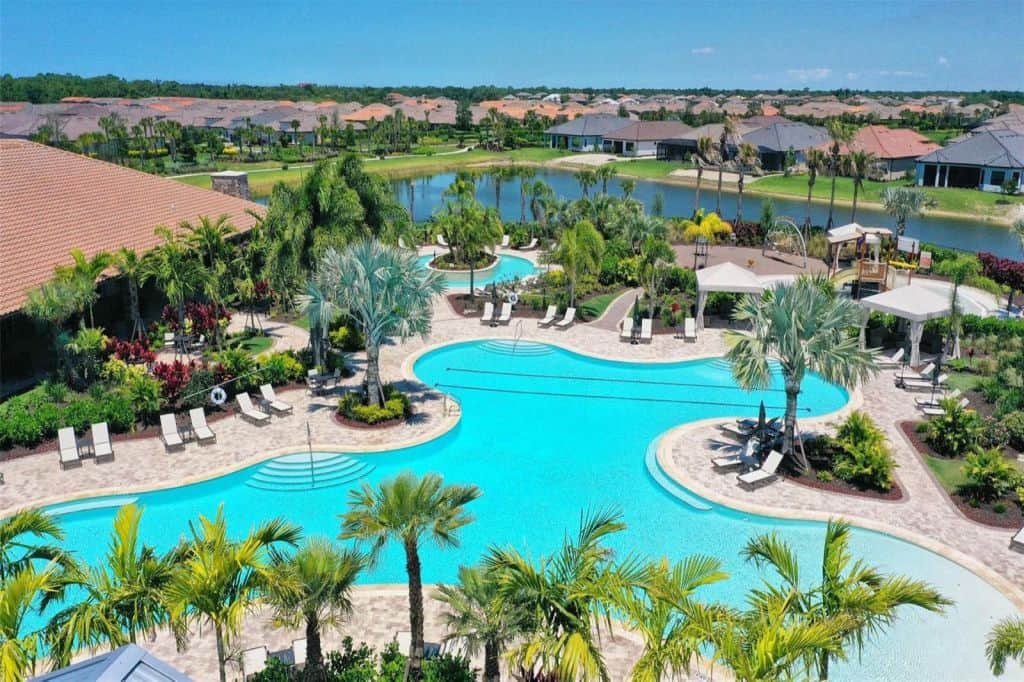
(916, 332)
(702, 299)
(862, 337)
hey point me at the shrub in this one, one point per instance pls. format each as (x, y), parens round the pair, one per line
(989, 475)
(237, 364)
(146, 395)
(956, 431)
(682, 280)
(131, 351)
(347, 338)
(174, 376)
(195, 394)
(863, 458)
(994, 433)
(396, 406)
(281, 368)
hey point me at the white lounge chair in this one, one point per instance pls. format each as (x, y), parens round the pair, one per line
(890, 360)
(765, 474)
(740, 432)
(401, 243)
(627, 329)
(200, 428)
(249, 411)
(567, 319)
(1018, 539)
(253, 661)
(529, 247)
(938, 411)
(746, 456)
(937, 400)
(549, 316)
(504, 241)
(169, 340)
(506, 313)
(169, 431)
(442, 241)
(488, 315)
(276, 404)
(67, 447)
(647, 329)
(911, 374)
(299, 651)
(456, 647)
(690, 329)
(925, 383)
(101, 440)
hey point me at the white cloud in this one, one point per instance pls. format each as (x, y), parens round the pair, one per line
(943, 61)
(852, 75)
(804, 75)
(903, 74)
(702, 50)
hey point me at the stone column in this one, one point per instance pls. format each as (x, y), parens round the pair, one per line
(233, 183)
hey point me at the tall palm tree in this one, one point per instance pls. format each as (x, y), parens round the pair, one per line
(540, 196)
(628, 187)
(746, 157)
(210, 238)
(129, 264)
(525, 175)
(121, 597)
(959, 269)
(408, 510)
(655, 255)
(386, 293)
(478, 615)
(20, 596)
(176, 270)
(841, 135)
(312, 588)
(87, 271)
(903, 203)
(499, 176)
(858, 165)
(587, 179)
(816, 162)
(706, 225)
(705, 149)
(805, 328)
(604, 173)
(860, 597)
(567, 596)
(320, 313)
(27, 537)
(1005, 641)
(727, 137)
(579, 252)
(219, 579)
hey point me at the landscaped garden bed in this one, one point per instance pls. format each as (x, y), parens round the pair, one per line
(354, 411)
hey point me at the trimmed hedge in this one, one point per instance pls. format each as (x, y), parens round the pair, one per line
(32, 417)
(396, 406)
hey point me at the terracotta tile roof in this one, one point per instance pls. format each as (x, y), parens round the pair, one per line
(892, 143)
(377, 112)
(52, 201)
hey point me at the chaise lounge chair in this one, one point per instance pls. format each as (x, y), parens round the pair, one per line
(938, 411)
(200, 428)
(169, 431)
(911, 374)
(646, 330)
(745, 456)
(488, 315)
(442, 241)
(67, 447)
(299, 651)
(936, 401)
(891, 360)
(690, 329)
(248, 411)
(277, 405)
(531, 246)
(1017, 541)
(504, 241)
(549, 316)
(925, 384)
(567, 319)
(101, 440)
(403, 639)
(627, 329)
(765, 474)
(506, 314)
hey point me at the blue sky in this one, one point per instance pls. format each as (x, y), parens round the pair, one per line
(868, 44)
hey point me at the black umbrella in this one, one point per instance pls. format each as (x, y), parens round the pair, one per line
(636, 312)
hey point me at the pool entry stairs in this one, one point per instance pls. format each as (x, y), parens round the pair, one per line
(516, 347)
(305, 471)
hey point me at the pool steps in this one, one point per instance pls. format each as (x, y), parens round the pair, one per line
(295, 472)
(525, 348)
(87, 505)
(667, 484)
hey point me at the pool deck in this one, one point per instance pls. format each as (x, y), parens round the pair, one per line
(924, 515)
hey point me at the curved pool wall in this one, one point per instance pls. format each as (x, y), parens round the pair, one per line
(546, 433)
(506, 269)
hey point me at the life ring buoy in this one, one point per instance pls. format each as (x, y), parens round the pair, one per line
(218, 396)
(513, 298)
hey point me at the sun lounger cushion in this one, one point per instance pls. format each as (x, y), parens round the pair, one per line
(549, 316)
(169, 431)
(277, 405)
(506, 312)
(765, 473)
(199, 425)
(627, 328)
(67, 445)
(488, 312)
(646, 329)
(101, 440)
(248, 410)
(567, 319)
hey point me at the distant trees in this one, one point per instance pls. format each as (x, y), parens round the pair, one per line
(841, 134)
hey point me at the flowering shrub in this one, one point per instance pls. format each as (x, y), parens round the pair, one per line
(281, 368)
(200, 318)
(130, 351)
(175, 377)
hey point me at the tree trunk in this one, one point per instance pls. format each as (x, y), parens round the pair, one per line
(522, 203)
(472, 282)
(823, 660)
(314, 654)
(497, 195)
(572, 292)
(373, 389)
(832, 199)
(133, 301)
(696, 197)
(810, 190)
(492, 667)
(414, 671)
(218, 633)
(853, 213)
(789, 430)
(739, 199)
(718, 201)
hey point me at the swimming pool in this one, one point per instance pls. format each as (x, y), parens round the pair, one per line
(508, 268)
(546, 433)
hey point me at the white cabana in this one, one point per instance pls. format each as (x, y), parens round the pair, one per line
(916, 304)
(851, 232)
(727, 277)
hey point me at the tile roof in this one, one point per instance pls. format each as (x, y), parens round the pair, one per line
(52, 201)
(892, 143)
(649, 130)
(995, 148)
(129, 663)
(592, 124)
(779, 137)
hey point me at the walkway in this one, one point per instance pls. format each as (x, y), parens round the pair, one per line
(618, 309)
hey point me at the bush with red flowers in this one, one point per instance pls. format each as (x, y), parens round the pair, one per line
(200, 318)
(175, 377)
(131, 352)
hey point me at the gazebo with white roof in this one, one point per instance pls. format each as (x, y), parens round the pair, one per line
(727, 277)
(914, 303)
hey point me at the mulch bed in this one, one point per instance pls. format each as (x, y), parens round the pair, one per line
(894, 494)
(342, 420)
(985, 514)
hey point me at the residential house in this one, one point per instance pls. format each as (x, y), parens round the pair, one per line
(584, 133)
(896, 149)
(640, 138)
(128, 663)
(779, 138)
(982, 161)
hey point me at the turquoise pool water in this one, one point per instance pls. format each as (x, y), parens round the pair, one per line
(508, 268)
(546, 433)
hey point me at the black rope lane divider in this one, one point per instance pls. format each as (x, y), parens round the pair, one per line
(555, 394)
(565, 377)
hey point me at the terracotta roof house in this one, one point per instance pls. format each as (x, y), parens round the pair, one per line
(640, 138)
(52, 201)
(376, 111)
(982, 161)
(584, 133)
(896, 149)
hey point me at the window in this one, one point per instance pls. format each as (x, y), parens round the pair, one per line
(997, 177)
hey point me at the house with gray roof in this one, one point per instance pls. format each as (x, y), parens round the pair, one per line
(982, 161)
(641, 138)
(584, 133)
(776, 139)
(130, 663)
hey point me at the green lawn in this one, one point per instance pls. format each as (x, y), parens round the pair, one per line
(648, 168)
(254, 345)
(948, 471)
(594, 307)
(941, 136)
(965, 381)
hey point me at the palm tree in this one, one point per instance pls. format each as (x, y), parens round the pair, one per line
(122, 596)
(805, 328)
(210, 238)
(860, 597)
(816, 161)
(579, 253)
(312, 588)
(87, 271)
(724, 140)
(841, 135)
(628, 187)
(500, 175)
(655, 254)
(959, 269)
(385, 292)
(540, 196)
(858, 165)
(604, 173)
(706, 225)
(176, 271)
(903, 203)
(568, 597)
(320, 313)
(477, 614)
(1005, 641)
(525, 175)
(747, 157)
(408, 510)
(24, 539)
(219, 579)
(587, 179)
(86, 349)
(20, 595)
(129, 264)
(702, 156)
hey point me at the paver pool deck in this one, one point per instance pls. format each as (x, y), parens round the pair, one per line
(923, 515)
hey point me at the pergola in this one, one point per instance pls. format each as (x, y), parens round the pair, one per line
(727, 277)
(852, 232)
(914, 303)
